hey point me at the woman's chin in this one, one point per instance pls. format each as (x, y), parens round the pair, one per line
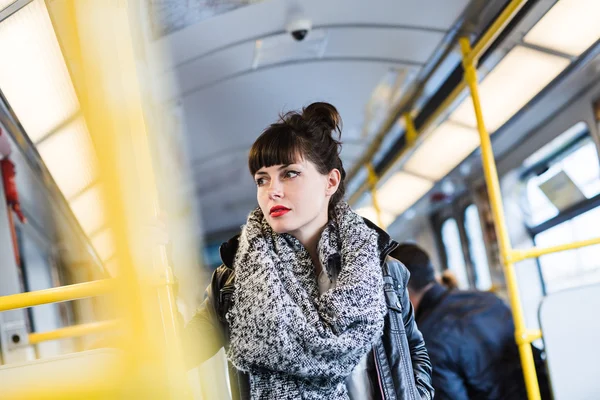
(280, 226)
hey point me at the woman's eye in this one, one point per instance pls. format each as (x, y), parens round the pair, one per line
(291, 174)
(260, 181)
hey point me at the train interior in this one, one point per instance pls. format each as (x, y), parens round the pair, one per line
(125, 130)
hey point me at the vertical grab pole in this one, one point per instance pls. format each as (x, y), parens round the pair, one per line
(493, 186)
(411, 131)
(373, 184)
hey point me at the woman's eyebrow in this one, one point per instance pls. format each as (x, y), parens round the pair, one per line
(284, 166)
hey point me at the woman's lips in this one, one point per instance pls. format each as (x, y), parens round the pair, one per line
(279, 211)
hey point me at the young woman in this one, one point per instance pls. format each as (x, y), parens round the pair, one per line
(307, 302)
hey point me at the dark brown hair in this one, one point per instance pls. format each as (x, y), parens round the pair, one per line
(313, 134)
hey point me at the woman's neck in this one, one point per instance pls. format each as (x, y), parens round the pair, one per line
(311, 244)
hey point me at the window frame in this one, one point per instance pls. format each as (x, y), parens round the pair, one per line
(456, 210)
(471, 256)
(574, 210)
(571, 212)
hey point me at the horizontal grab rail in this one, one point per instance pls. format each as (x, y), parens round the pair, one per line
(520, 255)
(73, 331)
(56, 295)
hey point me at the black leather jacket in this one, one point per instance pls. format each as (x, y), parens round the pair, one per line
(399, 365)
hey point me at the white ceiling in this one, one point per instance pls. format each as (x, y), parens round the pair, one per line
(227, 102)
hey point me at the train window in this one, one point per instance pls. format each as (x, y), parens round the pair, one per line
(483, 280)
(563, 193)
(455, 259)
(573, 267)
(563, 178)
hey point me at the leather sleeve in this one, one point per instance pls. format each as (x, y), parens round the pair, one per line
(203, 335)
(418, 353)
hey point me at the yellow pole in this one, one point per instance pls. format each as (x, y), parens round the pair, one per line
(519, 255)
(373, 182)
(55, 295)
(495, 30)
(72, 331)
(522, 337)
(411, 132)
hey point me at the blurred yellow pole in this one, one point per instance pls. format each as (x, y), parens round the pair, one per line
(523, 339)
(373, 182)
(411, 131)
(103, 61)
(73, 331)
(55, 295)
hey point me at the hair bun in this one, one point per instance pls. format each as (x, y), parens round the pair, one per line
(325, 115)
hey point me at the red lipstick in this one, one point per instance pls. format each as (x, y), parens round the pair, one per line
(278, 211)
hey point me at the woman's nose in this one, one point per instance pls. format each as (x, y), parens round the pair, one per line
(275, 190)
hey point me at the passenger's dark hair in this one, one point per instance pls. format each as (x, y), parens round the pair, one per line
(418, 264)
(313, 134)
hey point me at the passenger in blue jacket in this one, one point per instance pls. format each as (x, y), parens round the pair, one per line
(470, 337)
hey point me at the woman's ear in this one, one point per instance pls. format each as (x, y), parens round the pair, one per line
(333, 181)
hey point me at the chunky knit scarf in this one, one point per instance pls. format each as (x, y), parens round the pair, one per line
(293, 342)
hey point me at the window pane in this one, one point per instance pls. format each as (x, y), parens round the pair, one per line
(571, 176)
(541, 208)
(583, 168)
(454, 254)
(573, 267)
(477, 248)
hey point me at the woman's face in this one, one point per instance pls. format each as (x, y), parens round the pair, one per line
(294, 198)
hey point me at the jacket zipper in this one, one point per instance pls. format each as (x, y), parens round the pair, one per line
(407, 376)
(378, 369)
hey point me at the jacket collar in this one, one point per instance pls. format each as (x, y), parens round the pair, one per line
(430, 300)
(228, 250)
(384, 242)
(385, 245)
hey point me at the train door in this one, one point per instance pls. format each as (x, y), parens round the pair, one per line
(460, 238)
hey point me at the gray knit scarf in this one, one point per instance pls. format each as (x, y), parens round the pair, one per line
(293, 342)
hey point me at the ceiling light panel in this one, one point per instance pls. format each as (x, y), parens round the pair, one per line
(70, 158)
(443, 150)
(88, 207)
(517, 78)
(5, 3)
(571, 27)
(401, 191)
(33, 74)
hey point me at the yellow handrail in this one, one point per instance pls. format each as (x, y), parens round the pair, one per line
(519, 255)
(482, 44)
(528, 336)
(522, 337)
(373, 182)
(73, 331)
(494, 31)
(55, 295)
(411, 131)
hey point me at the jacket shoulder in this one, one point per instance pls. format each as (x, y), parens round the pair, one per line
(221, 277)
(398, 271)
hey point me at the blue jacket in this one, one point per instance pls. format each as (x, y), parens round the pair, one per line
(470, 337)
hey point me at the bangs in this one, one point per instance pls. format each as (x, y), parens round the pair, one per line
(277, 145)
